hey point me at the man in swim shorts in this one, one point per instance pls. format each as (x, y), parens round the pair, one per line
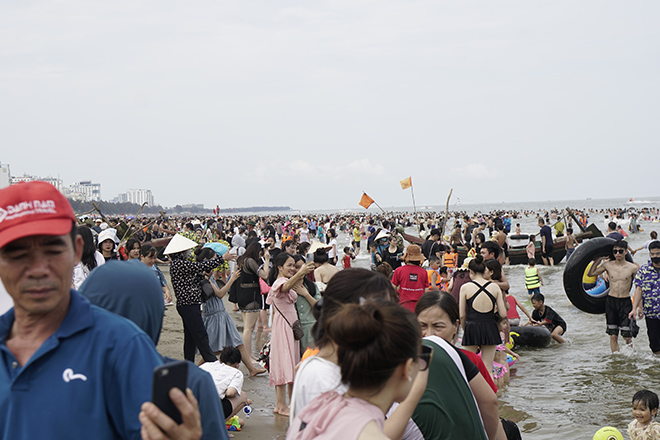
(617, 303)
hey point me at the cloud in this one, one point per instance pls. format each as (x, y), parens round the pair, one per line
(474, 171)
(366, 166)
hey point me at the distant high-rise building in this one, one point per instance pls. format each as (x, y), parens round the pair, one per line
(137, 196)
(84, 191)
(55, 181)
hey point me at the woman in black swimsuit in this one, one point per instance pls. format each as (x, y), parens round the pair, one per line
(479, 301)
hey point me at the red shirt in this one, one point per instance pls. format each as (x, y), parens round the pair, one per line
(476, 360)
(512, 313)
(347, 261)
(411, 282)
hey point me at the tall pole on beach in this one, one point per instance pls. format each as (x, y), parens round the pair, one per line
(367, 201)
(405, 184)
(446, 213)
(412, 193)
(375, 203)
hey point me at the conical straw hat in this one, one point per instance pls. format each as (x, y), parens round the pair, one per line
(382, 234)
(318, 245)
(179, 243)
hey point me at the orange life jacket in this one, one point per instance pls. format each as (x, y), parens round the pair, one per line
(450, 260)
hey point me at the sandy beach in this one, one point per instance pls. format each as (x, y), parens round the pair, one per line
(262, 424)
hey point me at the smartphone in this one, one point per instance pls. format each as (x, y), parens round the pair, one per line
(309, 258)
(166, 377)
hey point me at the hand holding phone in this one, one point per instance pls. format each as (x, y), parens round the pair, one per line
(166, 377)
(156, 426)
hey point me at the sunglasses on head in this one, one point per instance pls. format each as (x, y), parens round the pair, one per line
(425, 358)
(618, 251)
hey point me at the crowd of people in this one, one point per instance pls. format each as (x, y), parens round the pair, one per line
(354, 352)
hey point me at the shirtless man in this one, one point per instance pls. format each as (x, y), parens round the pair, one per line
(456, 238)
(500, 239)
(324, 270)
(617, 304)
(571, 243)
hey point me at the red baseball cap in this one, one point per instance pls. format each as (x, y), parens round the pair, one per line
(33, 208)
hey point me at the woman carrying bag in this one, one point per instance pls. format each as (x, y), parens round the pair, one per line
(284, 348)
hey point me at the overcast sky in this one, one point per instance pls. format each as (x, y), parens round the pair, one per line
(309, 103)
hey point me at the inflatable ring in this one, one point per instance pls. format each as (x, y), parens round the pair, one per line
(519, 237)
(511, 343)
(600, 290)
(510, 360)
(531, 336)
(574, 271)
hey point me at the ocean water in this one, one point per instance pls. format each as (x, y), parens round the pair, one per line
(470, 207)
(574, 389)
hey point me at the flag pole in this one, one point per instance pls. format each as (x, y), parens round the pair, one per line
(375, 203)
(446, 213)
(412, 193)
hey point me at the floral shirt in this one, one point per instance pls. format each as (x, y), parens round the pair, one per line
(187, 279)
(192, 236)
(648, 279)
(225, 265)
(648, 432)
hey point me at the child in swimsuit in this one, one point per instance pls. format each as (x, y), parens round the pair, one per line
(500, 363)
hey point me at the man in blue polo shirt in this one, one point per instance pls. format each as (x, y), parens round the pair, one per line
(68, 370)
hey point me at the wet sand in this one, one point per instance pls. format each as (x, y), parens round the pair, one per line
(262, 424)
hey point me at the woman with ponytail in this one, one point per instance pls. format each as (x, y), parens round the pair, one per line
(378, 352)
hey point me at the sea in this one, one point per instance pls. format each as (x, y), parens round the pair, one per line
(570, 390)
(455, 205)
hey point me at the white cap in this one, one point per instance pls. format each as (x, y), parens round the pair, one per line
(108, 234)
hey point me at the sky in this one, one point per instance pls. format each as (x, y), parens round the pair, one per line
(309, 103)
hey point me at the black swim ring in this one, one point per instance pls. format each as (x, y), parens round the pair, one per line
(584, 254)
(519, 237)
(530, 336)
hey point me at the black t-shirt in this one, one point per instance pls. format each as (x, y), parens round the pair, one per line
(430, 247)
(550, 319)
(547, 233)
(274, 253)
(391, 258)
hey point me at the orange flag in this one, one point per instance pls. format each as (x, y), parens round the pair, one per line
(406, 183)
(366, 201)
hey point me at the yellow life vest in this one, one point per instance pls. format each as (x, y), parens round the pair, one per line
(532, 280)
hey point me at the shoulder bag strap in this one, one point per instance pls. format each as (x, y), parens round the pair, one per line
(287, 321)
